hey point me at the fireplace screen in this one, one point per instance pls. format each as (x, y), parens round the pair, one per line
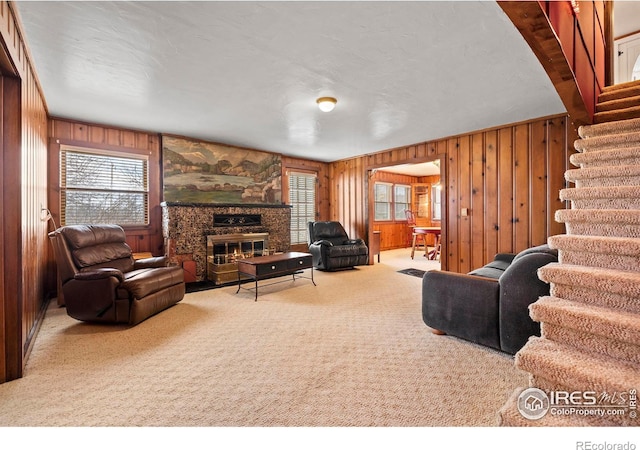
(223, 252)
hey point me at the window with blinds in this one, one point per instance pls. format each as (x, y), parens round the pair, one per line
(103, 187)
(390, 201)
(302, 198)
(382, 200)
(401, 201)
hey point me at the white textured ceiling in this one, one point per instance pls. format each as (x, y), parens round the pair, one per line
(626, 17)
(248, 73)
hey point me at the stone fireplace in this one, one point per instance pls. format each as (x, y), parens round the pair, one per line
(185, 228)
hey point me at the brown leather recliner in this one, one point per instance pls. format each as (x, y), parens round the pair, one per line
(101, 281)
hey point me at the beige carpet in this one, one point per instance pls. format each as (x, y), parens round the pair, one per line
(352, 351)
(618, 102)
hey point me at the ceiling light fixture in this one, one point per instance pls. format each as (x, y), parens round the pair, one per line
(326, 104)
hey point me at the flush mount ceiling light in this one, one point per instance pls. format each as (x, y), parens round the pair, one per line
(326, 104)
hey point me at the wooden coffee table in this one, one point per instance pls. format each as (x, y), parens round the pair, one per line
(273, 266)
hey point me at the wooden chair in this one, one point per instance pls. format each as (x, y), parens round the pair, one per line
(414, 239)
(411, 222)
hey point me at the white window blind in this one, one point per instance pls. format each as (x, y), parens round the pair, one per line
(103, 187)
(302, 198)
(390, 201)
(402, 201)
(382, 201)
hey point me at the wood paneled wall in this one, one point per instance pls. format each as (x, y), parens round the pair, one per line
(80, 134)
(148, 239)
(23, 240)
(508, 179)
(573, 45)
(348, 193)
(587, 42)
(584, 39)
(35, 243)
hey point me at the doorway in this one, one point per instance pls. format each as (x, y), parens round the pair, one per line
(415, 187)
(627, 60)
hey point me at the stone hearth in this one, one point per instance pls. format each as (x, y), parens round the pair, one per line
(185, 228)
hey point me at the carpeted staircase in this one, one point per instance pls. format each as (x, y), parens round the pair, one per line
(591, 320)
(618, 102)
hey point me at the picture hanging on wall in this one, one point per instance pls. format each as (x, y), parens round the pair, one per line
(204, 172)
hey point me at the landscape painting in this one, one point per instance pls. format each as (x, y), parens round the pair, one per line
(203, 172)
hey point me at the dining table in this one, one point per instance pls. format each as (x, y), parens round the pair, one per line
(424, 231)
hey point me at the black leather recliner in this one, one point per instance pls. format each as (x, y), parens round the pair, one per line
(490, 305)
(332, 249)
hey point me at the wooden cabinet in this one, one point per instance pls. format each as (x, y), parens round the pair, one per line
(421, 203)
(374, 245)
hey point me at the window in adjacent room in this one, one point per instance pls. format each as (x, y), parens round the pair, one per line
(99, 186)
(382, 201)
(391, 201)
(436, 205)
(302, 198)
(401, 201)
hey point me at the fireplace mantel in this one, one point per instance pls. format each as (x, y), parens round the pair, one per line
(185, 227)
(225, 205)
